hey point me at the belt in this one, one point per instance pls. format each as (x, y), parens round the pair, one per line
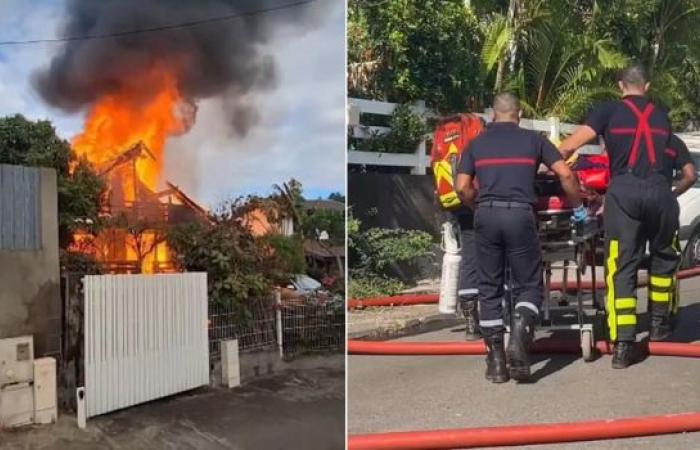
(498, 204)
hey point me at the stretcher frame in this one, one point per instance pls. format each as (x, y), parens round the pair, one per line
(569, 249)
(573, 251)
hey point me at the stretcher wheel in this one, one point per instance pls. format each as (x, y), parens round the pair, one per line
(587, 345)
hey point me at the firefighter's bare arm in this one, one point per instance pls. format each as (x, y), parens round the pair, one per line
(465, 189)
(580, 136)
(569, 182)
(688, 178)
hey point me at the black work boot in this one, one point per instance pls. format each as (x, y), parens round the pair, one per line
(521, 337)
(660, 328)
(471, 318)
(496, 369)
(624, 355)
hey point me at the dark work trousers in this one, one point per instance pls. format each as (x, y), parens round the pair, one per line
(507, 235)
(468, 287)
(639, 211)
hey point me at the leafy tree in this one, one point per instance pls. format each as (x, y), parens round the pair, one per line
(287, 257)
(225, 248)
(406, 50)
(560, 56)
(35, 143)
(328, 220)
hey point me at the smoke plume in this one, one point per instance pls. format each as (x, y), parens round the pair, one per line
(223, 59)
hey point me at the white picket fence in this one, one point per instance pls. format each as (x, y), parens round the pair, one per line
(145, 338)
(419, 160)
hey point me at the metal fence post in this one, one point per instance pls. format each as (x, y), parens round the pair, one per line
(421, 158)
(280, 330)
(554, 129)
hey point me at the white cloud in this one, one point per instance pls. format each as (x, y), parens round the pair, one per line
(21, 20)
(301, 133)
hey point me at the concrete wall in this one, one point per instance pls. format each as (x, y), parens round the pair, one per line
(30, 300)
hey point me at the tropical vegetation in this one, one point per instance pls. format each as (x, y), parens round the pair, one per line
(560, 56)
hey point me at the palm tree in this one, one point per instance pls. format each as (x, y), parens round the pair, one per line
(555, 72)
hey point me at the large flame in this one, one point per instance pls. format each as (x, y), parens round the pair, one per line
(146, 109)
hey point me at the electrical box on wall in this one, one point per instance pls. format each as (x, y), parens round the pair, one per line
(27, 385)
(16, 360)
(45, 410)
(16, 405)
(16, 378)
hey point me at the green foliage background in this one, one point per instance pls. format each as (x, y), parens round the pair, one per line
(560, 56)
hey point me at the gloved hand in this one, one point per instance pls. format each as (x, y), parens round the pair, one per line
(580, 214)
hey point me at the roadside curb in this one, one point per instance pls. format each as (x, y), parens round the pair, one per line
(408, 328)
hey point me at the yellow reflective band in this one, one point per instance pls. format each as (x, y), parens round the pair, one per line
(626, 303)
(611, 266)
(443, 170)
(660, 296)
(627, 319)
(449, 200)
(661, 281)
(452, 149)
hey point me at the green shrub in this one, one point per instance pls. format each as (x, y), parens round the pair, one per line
(372, 253)
(365, 287)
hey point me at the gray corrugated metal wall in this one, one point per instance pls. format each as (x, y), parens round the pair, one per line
(20, 219)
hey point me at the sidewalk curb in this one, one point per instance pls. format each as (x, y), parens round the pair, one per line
(409, 328)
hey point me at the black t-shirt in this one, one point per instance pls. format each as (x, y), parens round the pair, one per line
(677, 154)
(618, 122)
(504, 160)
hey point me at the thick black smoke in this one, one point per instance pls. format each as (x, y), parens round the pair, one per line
(225, 59)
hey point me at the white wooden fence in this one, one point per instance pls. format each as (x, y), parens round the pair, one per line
(145, 338)
(419, 160)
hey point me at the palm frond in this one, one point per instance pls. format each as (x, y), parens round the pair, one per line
(496, 38)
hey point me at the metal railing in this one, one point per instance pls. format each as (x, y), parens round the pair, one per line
(309, 325)
(418, 161)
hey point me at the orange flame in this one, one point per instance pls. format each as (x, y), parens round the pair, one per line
(143, 109)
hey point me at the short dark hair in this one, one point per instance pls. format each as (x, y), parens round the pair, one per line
(506, 103)
(634, 75)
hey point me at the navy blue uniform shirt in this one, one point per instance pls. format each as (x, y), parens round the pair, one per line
(636, 134)
(504, 159)
(678, 156)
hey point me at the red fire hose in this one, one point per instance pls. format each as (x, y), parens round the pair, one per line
(426, 299)
(547, 345)
(517, 435)
(520, 434)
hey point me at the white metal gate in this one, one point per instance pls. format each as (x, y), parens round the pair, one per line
(145, 338)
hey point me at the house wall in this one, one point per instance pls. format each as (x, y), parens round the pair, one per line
(30, 300)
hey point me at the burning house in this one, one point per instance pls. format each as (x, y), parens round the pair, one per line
(136, 217)
(140, 89)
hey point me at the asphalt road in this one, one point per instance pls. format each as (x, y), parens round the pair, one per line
(404, 393)
(300, 409)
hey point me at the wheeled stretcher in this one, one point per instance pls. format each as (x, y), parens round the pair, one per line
(572, 251)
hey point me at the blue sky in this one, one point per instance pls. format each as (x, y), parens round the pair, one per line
(301, 134)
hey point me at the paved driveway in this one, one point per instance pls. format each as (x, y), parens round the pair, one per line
(302, 409)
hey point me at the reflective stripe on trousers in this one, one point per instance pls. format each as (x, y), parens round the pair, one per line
(622, 312)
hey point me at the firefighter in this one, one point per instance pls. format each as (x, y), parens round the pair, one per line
(640, 207)
(468, 288)
(505, 159)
